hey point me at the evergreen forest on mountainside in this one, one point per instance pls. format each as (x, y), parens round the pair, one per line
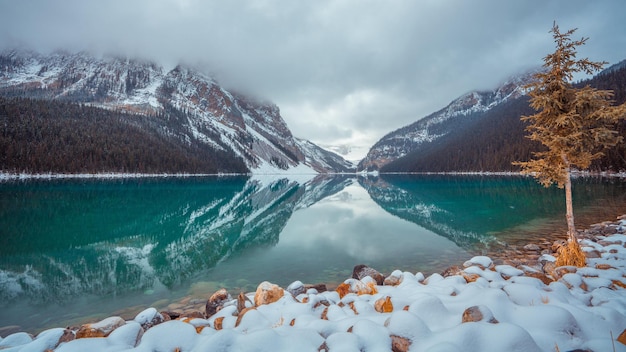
(492, 141)
(41, 136)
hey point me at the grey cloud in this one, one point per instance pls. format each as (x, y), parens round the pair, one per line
(345, 69)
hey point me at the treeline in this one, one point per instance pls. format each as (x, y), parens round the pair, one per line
(615, 80)
(493, 140)
(41, 136)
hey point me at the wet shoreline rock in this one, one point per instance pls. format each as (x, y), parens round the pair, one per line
(361, 271)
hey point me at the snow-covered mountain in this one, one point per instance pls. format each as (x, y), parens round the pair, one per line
(322, 159)
(432, 127)
(254, 130)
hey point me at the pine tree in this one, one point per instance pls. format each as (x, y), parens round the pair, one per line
(574, 125)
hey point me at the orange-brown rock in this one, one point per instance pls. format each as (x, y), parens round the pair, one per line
(583, 286)
(68, 335)
(100, 329)
(470, 277)
(267, 293)
(478, 313)
(622, 337)
(604, 266)
(171, 314)
(562, 270)
(400, 344)
(558, 244)
(324, 315)
(241, 302)
(217, 301)
(372, 289)
(537, 275)
(618, 283)
(217, 323)
(356, 286)
(549, 268)
(351, 305)
(322, 302)
(384, 305)
(361, 271)
(241, 314)
(392, 280)
(451, 271)
(343, 289)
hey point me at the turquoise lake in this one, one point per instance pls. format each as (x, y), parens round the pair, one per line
(78, 249)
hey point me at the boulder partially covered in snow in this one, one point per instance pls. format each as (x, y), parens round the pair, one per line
(217, 301)
(296, 288)
(394, 279)
(356, 286)
(46, 340)
(149, 318)
(481, 261)
(267, 293)
(383, 305)
(361, 271)
(100, 329)
(478, 313)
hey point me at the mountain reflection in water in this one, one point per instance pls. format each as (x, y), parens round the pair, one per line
(114, 243)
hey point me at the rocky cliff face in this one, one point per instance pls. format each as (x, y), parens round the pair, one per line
(432, 127)
(212, 115)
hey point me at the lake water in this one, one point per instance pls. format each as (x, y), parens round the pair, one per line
(78, 249)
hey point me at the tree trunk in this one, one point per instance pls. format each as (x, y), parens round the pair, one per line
(569, 215)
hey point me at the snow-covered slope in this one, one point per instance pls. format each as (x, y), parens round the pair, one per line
(254, 130)
(319, 158)
(428, 129)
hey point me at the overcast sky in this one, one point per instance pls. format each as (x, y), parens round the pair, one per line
(342, 72)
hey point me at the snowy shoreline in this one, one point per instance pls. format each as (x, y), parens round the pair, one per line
(483, 305)
(112, 175)
(6, 176)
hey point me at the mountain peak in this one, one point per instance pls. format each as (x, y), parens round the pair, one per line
(406, 139)
(203, 111)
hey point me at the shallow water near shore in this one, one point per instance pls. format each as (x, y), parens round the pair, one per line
(79, 250)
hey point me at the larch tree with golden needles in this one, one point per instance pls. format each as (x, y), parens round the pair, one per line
(574, 125)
